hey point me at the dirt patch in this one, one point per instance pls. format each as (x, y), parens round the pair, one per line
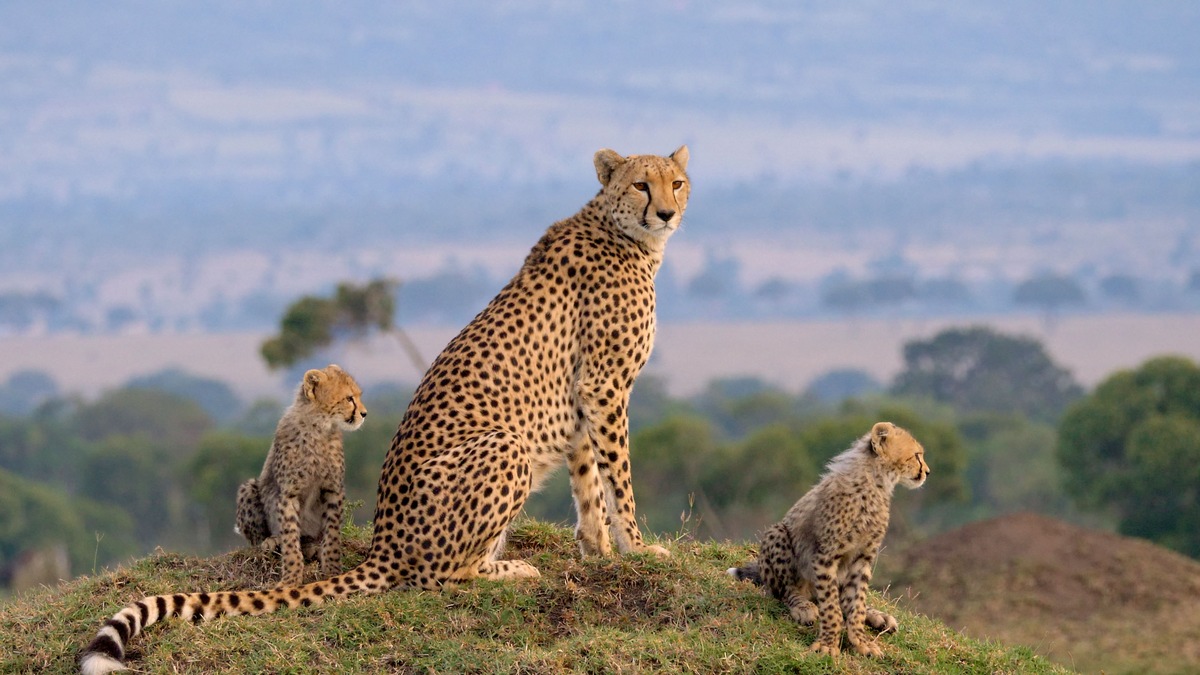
(1089, 599)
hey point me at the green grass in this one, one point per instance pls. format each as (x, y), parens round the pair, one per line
(627, 614)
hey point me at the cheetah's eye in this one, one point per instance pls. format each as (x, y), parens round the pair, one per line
(677, 184)
(641, 187)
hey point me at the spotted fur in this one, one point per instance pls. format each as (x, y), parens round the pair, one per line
(295, 504)
(541, 377)
(824, 549)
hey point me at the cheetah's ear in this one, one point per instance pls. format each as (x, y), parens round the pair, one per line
(680, 157)
(607, 162)
(311, 379)
(879, 434)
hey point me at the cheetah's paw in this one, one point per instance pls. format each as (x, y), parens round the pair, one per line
(655, 550)
(866, 647)
(884, 623)
(829, 648)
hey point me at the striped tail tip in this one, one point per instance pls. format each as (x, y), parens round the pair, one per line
(104, 654)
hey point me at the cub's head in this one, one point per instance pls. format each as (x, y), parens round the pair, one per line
(644, 195)
(900, 453)
(335, 394)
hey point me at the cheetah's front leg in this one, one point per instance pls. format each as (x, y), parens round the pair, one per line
(608, 432)
(289, 541)
(591, 505)
(330, 556)
(854, 606)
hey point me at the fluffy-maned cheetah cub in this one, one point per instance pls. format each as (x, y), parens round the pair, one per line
(296, 503)
(540, 378)
(825, 546)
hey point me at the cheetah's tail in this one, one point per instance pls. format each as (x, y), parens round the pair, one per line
(747, 572)
(106, 652)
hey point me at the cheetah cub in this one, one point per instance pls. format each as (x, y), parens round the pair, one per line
(295, 505)
(824, 548)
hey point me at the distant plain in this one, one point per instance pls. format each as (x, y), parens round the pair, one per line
(788, 354)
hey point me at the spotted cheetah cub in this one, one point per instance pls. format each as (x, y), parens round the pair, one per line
(824, 548)
(295, 505)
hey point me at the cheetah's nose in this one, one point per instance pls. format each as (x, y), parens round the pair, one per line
(666, 215)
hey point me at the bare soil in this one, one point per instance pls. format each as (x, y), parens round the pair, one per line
(1091, 600)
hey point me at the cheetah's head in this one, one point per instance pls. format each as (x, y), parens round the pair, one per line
(336, 395)
(644, 195)
(900, 453)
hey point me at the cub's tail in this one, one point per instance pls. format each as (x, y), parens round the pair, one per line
(106, 653)
(747, 572)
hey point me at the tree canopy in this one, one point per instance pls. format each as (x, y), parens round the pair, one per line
(981, 370)
(314, 322)
(1134, 446)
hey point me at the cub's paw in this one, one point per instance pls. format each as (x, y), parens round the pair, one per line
(884, 623)
(804, 613)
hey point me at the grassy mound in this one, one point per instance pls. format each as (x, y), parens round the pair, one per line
(628, 614)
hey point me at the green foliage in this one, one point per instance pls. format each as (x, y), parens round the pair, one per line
(741, 404)
(1012, 466)
(840, 384)
(312, 322)
(214, 396)
(171, 422)
(763, 469)
(221, 463)
(1134, 446)
(34, 515)
(25, 390)
(44, 447)
(134, 474)
(980, 370)
(672, 459)
(650, 402)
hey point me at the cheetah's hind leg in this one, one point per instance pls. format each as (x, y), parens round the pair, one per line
(494, 568)
(494, 470)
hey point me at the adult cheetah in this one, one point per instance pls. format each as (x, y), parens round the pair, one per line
(541, 375)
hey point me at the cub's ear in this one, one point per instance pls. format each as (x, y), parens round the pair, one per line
(311, 379)
(879, 434)
(607, 161)
(680, 157)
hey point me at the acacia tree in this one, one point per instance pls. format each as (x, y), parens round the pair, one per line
(314, 322)
(1133, 446)
(980, 370)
